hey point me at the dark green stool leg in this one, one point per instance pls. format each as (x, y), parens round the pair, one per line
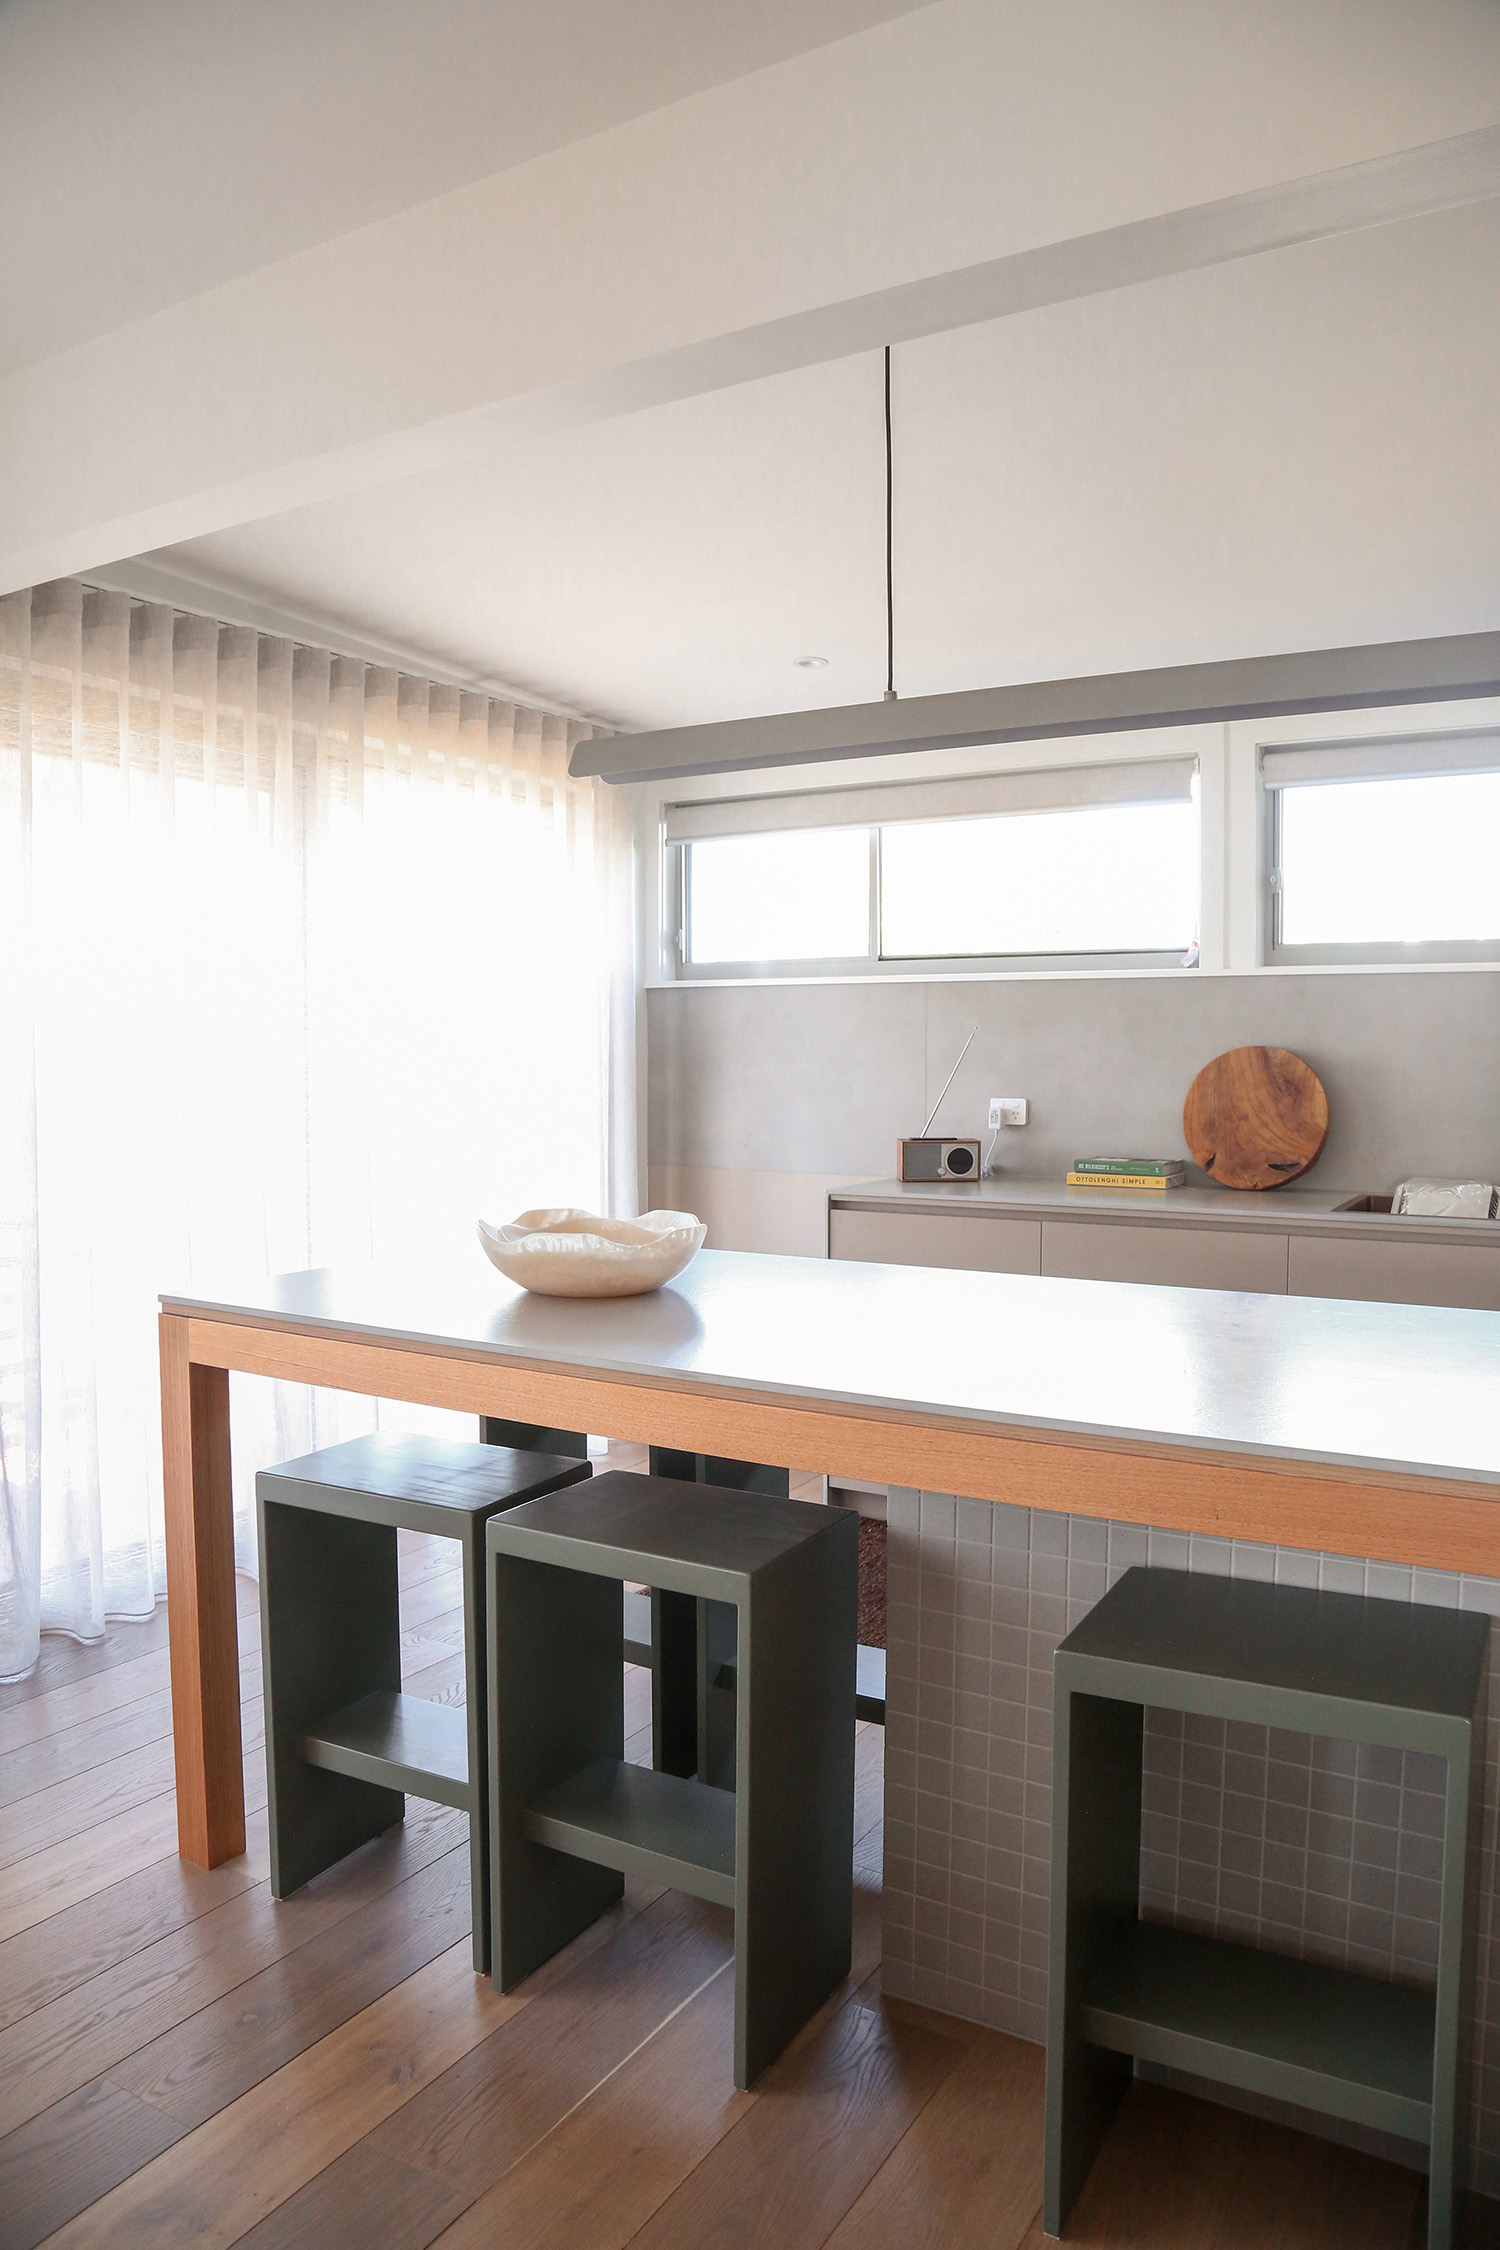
(1096, 1884)
(714, 1696)
(717, 1656)
(674, 1683)
(533, 1437)
(330, 1633)
(794, 1824)
(556, 1703)
(717, 1469)
(1455, 1986)
(477, 1712)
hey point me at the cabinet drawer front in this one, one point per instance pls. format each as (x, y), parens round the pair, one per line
(1181, 1257)
(1397, 1273)
(920, 1238)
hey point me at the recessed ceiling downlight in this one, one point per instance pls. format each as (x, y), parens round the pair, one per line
(811, 663)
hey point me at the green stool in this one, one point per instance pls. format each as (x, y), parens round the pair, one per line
(344, 1746)
(1350, 1666)
(688, 1646)
(570, 1819)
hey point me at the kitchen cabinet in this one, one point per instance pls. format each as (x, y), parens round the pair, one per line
(914, 1238)
(1397, 1273)
(1195, 1257)
(1309, 1242)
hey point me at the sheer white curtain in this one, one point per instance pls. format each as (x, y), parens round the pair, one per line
(300, 960)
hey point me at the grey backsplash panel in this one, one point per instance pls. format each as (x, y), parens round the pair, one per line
(823, 1078)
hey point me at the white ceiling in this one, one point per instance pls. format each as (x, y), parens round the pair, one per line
(152, 151)
(1296, 451)
(295, 254)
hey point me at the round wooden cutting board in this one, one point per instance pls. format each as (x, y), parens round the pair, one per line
(1255, 1117)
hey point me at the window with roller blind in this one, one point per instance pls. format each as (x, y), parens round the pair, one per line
(1384, 851)
(1077, 867)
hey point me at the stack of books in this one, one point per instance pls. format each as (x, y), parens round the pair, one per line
(1158, 1172)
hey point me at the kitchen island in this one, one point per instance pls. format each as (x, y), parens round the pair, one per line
(1038, 1435)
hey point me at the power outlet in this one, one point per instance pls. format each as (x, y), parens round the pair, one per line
(1007, 1109)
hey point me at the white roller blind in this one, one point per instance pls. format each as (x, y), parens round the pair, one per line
(1146, 781)
(1413, 756)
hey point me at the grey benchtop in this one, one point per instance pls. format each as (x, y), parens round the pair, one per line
(1295, 1209)
(1414, 1389)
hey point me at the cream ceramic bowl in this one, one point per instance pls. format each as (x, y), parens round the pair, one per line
(578, 1254)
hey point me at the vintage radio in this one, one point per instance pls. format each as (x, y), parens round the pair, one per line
(923, 1159)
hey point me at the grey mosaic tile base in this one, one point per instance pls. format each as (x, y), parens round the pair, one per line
(1308, 1847)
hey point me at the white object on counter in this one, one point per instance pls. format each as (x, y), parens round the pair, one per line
(1444, 1199)
(567, 1253)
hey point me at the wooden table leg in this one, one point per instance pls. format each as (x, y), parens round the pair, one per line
(201, 1617)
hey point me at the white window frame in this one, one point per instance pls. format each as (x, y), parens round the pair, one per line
(1153, 780)
(1286, 765)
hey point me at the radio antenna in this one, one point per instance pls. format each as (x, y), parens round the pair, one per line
(948, 1081)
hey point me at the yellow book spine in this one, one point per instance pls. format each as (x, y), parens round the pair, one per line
(1119, 1180)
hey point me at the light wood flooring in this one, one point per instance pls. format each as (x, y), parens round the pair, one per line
(182, 2060)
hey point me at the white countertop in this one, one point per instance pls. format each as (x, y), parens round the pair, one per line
(1413, 1389)
(1295, 1208)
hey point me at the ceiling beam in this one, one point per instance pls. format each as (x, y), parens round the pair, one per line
(1381, 676)
(586, 285)
(1415, 183)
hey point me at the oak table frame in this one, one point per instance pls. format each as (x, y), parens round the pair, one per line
(1356, 1429)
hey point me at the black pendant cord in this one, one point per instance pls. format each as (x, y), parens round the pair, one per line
(890, 594)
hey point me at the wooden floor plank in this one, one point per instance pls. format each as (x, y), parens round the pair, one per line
(596, 2175)
(830, 2113)
(490, 2108)
(84, 1941)
(77, 1701)
(64, 1755)
(81, 1803)
(90, 2028)
(427, 1557)
(83, 1866)
(212, 2076)
(869, 1781)
(1176, 2173)
(107, 1690)
(72, 2155)
(199, 2067)
(63, 1660)
(436, 1602)
(968, 2174)
(608, 2164)
(91, 1737)
(423, 1657)
(363, 2199)
(214, 2184)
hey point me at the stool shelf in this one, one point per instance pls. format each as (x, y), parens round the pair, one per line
(640, 1822)
(1327, 2039)
(397, 1742)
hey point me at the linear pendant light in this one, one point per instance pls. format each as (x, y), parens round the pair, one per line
(1384, 673)
(1387, 673)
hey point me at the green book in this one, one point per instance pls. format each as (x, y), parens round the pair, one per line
(1158, 1167)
